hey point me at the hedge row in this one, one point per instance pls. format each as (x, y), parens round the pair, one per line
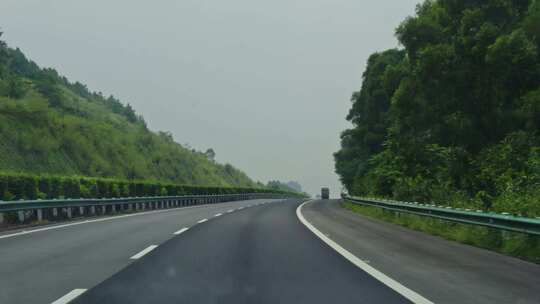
(29, 187)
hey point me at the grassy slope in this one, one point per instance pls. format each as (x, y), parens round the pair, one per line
(81, 134)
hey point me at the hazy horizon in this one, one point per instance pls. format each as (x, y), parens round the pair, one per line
(265, 84)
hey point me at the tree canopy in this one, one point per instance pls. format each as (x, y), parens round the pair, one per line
(454, 115)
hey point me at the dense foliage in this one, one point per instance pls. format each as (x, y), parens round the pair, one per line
(31, 187)
(49, 125)
(453, 116)
(290, 186)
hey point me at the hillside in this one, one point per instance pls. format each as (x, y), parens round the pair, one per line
(51, 125)
(453, 117)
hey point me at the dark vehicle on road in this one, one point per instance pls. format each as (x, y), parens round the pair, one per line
(325, 193)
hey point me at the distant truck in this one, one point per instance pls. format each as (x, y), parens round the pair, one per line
(325, 193)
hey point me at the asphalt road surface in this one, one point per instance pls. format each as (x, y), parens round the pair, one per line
(43, 266)
(260, 255)
(440, 270)
(253, 252)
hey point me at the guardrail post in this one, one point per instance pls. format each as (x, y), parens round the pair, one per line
(68, 212)
(1, 218)
(21, 216)
(113, 208)
(103, 209)
(93, 210)
(39, 215)
(81, 210)
(55, 212)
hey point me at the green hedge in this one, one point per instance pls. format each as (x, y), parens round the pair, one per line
(29, 187)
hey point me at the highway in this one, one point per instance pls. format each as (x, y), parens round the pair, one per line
(440, 270)
(42, 267)
(260, 251)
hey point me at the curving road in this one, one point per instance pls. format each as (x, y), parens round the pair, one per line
(259, 255)
(253, 252)
(43, 266)
(440, 270)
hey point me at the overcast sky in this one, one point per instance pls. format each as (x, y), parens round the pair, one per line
(267, 84)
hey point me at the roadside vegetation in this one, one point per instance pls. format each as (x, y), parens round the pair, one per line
(452, 117)
(519, 245)
(291, 186)
(32, 187)
(49, 125)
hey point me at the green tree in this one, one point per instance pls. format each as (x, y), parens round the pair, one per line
(432, 121)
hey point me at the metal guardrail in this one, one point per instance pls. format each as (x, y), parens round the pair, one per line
(67, 208)
(504, 221)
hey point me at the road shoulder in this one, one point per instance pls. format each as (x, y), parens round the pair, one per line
(441, 270)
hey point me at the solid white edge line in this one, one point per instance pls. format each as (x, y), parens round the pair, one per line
(202, 221)
(70, 296)
(181, 231)
(143, 252)
(386, 280)
(230, 210)
(218, 214)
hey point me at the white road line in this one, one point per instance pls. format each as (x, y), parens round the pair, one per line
(108, 218)
(202, 221)
(181, 231)
(230, 210)
(240, 208)
(142, 253)
(402, 290)
(70, 296)
(219, 214)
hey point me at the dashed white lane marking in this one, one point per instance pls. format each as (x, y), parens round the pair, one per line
(181, 231)
(202, 221)
(219, 214)
(230, 210)
(70, 296)
(240, 208)
(143, 252)
(402, 290)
